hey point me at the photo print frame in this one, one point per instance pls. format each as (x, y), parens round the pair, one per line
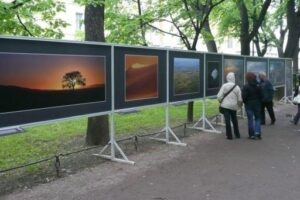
(140, 77)
(185, 75)
(234, 64)
(49, 80)
(213, 74)
(289, 77)
(277, 71)
(257, 65)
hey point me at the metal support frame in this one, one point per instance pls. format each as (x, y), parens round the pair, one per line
(286, 99)
(203, 123)
(112, 143)
(167, 130)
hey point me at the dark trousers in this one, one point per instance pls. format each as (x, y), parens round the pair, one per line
(253, 115)
(230, 116)
(269, 106)
(297, 116)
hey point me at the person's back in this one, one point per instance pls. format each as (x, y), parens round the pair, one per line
(252, 96)
(230, 98)
(268, 90)
(252, 93)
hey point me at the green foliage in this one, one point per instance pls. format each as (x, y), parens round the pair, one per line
(47, 140)
(32, 18)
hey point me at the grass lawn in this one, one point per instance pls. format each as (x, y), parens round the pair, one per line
(47, 140)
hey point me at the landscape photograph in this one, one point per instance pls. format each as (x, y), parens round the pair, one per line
(141, 77)
(186, 76)
(213, 74)
(277, 72)
(237, 67)
(35, 81)
(256, 67)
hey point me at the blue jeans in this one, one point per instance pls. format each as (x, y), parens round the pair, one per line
(253, 115)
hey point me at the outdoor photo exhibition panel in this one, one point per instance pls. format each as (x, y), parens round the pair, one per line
(185, 75)
(256, 65)
(49, 80)
(140, 77)
(277, 72)
(213, 73)
(289, 77)
(234, 64)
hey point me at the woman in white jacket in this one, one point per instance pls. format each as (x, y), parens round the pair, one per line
(230, 104)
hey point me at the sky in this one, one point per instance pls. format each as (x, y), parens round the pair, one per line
(256, 66)
(139, 61)
(186, 63)
(45, 71)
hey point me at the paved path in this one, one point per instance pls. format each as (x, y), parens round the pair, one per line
(209, 168)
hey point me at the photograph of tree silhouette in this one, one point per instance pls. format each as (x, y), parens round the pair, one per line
(34, 81)
(237, 67)
(186, 76)
(72, 79)
(141, 77)
(277, 72)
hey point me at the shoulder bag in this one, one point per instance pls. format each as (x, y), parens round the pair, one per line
(221, 109)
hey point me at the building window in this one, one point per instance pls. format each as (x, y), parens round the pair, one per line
(229, 43)
(79, 21)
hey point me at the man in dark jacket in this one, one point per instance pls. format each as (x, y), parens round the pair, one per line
(267, 100)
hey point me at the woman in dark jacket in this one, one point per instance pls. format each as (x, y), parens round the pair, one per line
(296, 92)
(252, 98)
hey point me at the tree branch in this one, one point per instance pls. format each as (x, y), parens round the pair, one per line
(189, 14)
(23, 25)
(163, 31)
(259, 21)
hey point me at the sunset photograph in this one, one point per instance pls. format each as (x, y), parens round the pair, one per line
(237, 67)
(141, 77)
(32, 81)
(186, 76)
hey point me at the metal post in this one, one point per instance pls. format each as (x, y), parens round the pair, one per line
(113, 144)
(167, 130)
(203, 119)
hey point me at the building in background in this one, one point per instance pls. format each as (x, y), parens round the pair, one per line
(74, 16)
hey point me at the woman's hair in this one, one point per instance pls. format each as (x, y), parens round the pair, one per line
(250, 76)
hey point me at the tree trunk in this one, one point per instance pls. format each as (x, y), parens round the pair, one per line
(209, 38)
(98, 127)
(190, 112)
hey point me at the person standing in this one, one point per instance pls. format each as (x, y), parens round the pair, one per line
(267, 100)
(296, 92)
(252, 97)
(230, 98)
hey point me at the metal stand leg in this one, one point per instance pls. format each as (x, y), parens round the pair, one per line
(168, 132)
(203, 123)
(112, 156)
(286, 100)
(113, 147)
(218, 120)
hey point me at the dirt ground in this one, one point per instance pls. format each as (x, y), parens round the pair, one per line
(209, 168)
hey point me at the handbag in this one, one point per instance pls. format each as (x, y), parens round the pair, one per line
(221, 109)
(296, 99)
